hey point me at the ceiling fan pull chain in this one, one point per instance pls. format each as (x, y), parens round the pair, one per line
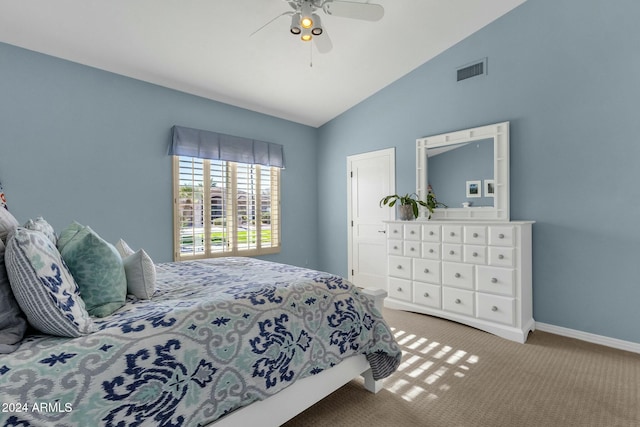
(310, 55)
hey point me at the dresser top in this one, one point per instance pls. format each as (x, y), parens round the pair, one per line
(456, 222)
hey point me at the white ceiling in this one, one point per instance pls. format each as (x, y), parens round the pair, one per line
(204, 47)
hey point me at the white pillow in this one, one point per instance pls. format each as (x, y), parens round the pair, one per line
(123, 249)
(141, 274)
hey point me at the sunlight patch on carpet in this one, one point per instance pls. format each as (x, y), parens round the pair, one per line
(428, 368)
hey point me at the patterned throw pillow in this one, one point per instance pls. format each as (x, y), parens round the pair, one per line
(7, 223)
(97, 267)
(42, 225)
(13, 324)
(43, 287)
(68, 234)
(141, 274)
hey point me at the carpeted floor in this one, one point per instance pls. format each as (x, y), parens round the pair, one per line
(454, 375)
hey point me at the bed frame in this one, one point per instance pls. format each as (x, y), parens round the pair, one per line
(306, 392)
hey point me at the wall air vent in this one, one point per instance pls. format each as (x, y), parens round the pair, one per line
(478, 68)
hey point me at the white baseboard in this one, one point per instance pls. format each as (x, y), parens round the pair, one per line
(585, 336)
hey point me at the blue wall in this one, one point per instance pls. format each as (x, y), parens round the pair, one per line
(77, 143)
(565, 73)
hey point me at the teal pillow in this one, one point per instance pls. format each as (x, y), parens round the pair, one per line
(68, 234)
(98, 270)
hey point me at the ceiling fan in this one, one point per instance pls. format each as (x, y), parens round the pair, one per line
(306, 23)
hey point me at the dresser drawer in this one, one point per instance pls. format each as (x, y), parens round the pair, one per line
(427, 294)
(501, 236)
(457, 301)
(475, 235)
(426, 270)
(431, 233)
(451, 252)
(452, 233)
(399, 267)
(496, 309)
(496, 280)
(400, 289)
(431, 250)
(502, 256)
(412, 232)
(475, 254)
(412, 248)
(395, 231)
(458, 275)
(394, 247)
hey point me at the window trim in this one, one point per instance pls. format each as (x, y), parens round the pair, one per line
(231, 220)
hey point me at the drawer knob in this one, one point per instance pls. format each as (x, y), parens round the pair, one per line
(426, 270)
(452, 252)
(494, 280)
(475, 254)
(426, 294)
(494, 308)
(457, 301)
(431, 251)
(500, 256)
(457, 275)
(399, 267)
(412, 249)
(431, 233)
(452, 234)
(399, 289)
(395, 231)
(395, 247)
(412, 232)
(475, 235)
(500, 236)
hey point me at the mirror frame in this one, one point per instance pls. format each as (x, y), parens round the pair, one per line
(500, 210)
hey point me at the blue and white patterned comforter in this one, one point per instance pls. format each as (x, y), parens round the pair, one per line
(217, 335)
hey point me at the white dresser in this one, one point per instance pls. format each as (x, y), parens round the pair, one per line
(476, 273)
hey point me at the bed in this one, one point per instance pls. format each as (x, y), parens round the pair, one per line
(221, 342)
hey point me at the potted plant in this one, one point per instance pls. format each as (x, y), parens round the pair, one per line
(408, 205)
(432, 202)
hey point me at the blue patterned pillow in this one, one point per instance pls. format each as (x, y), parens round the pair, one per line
(97, 267)
(41, 224)
(43, 287)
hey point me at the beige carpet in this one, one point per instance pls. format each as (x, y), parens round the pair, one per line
(454, 375)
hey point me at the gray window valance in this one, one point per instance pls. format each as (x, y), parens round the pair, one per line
(217, 146)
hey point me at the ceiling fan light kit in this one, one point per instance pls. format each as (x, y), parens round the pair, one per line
(295, 24)
(306, 23)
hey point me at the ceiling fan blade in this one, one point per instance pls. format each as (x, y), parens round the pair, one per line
(348, 9)
(323, 42)
(282, 14)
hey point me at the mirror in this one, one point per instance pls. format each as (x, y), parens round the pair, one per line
(468, 170)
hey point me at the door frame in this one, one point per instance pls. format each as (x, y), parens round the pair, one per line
(391, 152)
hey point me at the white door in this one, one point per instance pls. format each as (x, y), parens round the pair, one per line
(371, 176)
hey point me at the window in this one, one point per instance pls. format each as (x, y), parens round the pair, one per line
(224, 208)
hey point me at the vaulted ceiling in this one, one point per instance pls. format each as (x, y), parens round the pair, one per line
(206, 47)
